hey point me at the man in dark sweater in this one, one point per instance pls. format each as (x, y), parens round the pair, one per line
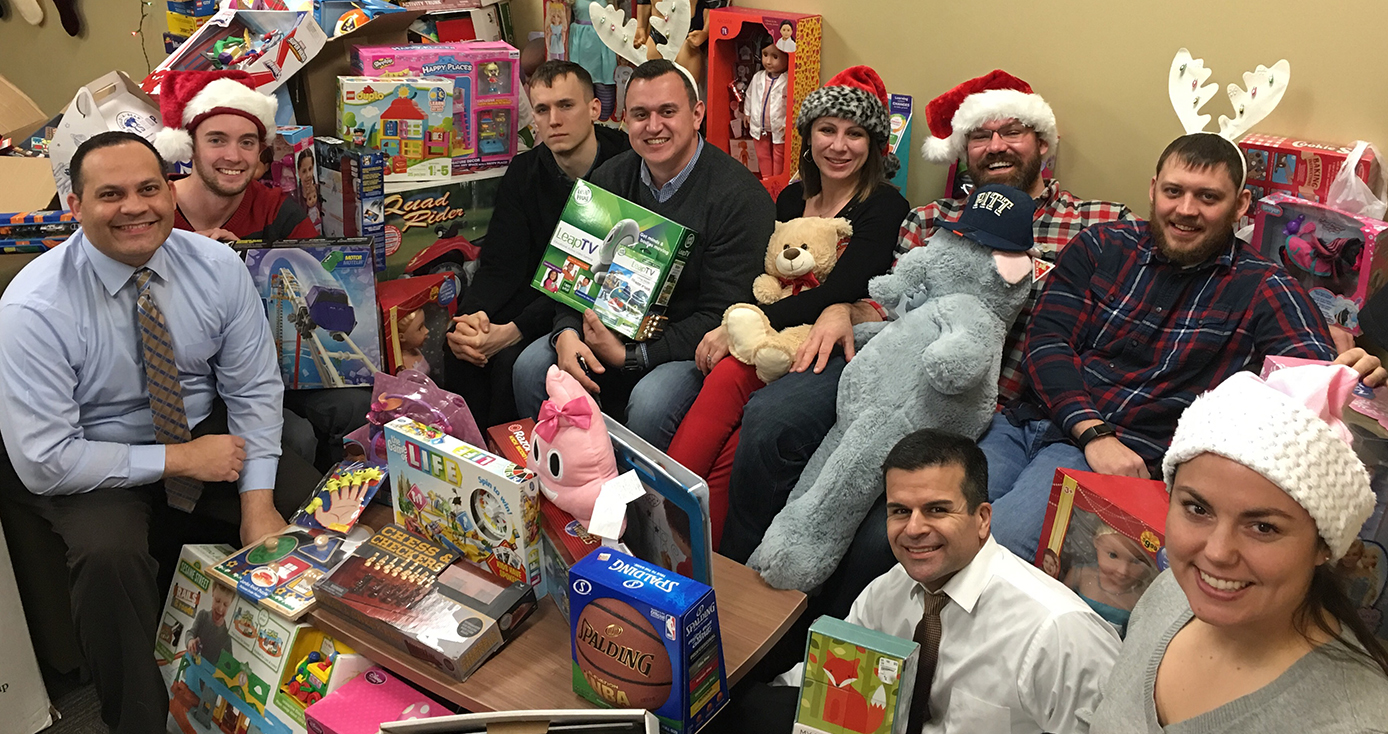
(673, 173)
(501, 313)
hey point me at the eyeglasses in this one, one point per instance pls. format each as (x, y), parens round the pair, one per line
(1008, 135)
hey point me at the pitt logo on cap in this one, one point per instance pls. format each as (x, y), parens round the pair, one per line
(992, 201)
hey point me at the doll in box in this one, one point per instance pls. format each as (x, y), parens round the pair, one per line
(588, 51)
(764, 105)
(1115, 581)
(413, 333)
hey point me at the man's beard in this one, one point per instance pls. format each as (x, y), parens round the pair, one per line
(1023, 175)
(209, 179)
(1214, 241)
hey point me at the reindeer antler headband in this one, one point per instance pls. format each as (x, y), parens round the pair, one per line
(616, 31)
(1263, 89)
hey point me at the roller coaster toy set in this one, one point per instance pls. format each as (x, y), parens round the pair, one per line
(320, 297)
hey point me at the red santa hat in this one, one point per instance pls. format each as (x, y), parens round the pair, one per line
(186, 98)
(994, 96)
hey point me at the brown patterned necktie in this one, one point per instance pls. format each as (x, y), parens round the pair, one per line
(928, 636)
(165, 391)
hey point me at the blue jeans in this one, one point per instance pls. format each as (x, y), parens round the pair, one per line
(1021, 467)
(655, 402)
(782, 426)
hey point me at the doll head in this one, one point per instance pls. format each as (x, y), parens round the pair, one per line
(773, 59)
(1123, 566)
(412, 331)
(787, 30)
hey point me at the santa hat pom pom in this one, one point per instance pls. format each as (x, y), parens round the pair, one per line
(939, 150)
(174, 143)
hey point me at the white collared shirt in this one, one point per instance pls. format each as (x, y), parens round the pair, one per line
(1019, 652)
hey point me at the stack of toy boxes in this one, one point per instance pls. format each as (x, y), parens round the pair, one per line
(486, 91)
(351, 187)
(1299, 168)
(416, 341)
(855, 680)
(365, 702)
(293, 171)
(1103, 536)
(409, 119)
(735, 38)
(476, 504)
(565, 542)
(35, 231)
(320, 297)
(1339, 257)
(437, 227)
(186, 16)
(644, 637)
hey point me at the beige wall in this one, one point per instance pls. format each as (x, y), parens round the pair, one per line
(1102, 64)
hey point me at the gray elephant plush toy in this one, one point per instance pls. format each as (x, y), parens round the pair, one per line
(935, 366)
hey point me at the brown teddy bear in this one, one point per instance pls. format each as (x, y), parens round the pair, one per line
(799, 257)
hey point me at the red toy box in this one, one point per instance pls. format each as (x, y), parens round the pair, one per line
(415, 315)
(1299, 168)
(735, 42)
(1104, 537)
(511, 441)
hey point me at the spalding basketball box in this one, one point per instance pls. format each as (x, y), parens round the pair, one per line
(645, 637)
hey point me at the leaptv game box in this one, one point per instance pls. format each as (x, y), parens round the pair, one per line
(615, 257)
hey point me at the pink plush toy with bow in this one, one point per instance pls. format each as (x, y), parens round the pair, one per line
(573, 453)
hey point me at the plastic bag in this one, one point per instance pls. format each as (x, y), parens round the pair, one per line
(410, 394)
(1348, 193)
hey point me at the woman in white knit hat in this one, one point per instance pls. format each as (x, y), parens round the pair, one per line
(1249, 630)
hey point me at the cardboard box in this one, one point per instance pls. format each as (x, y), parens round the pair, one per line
(643, 637)
(320, 298)
(351, 189)
(527, 722)
(476, 504)
(734, 55)
(295, 40)
(294, 171)
(409, 119)
(491, 23)
(856, 680)
(416, 313)
(313, 91)
(1299, 168)
(511, 441)
(23, 697)
(1302, 235)
(615, 257)
(1104, 536)
(390, 586)
(438, 227)
(367, 701)
(26, 184)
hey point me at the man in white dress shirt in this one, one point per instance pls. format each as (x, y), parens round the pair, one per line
(1017, 651)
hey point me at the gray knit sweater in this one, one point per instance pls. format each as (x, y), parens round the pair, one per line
(1330, 690)
(733, 215)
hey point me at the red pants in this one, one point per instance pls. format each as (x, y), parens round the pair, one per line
(771, 157)
(707, 437)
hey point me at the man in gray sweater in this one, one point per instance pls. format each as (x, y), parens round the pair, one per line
(673, 173)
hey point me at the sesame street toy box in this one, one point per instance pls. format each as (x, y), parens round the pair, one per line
(1340, 258)
(644, 637)
(856, 680)
(1104, 537)
(409, 119)
(476, 504)
(615, 257)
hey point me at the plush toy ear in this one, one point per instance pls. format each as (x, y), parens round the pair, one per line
(1012, 266)
(842, 227)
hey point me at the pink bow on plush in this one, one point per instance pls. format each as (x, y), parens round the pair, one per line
(576, 412)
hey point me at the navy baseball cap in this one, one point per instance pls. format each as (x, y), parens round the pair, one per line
(997, 216)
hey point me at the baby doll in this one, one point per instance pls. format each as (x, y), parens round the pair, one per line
(765, 109)
(411, 332)
(1113, 585)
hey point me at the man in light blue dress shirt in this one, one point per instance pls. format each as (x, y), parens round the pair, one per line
(77, 422)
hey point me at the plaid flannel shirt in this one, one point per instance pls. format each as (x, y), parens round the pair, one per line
(1123, 335)
(1059, 218)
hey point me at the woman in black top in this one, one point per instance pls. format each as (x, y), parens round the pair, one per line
(845, 171)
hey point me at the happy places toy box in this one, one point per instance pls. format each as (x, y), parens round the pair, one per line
(644, 637)
(476, 504)
(409, 119)
(615, 257)
(856, 680)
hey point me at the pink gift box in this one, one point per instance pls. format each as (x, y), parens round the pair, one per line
(364, 703)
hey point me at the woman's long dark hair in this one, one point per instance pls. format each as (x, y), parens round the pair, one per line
(1327, 597)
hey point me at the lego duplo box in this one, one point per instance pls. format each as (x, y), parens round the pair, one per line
(1104, 537)
(351, 191)
(415, 316)
(409, 119)
(644, 637)
(615, 257)
(476, 504)
(438, 227)
(856, 680)
(1341, 258)
(294, 171)
(1300, 168)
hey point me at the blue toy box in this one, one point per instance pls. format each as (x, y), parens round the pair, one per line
(645, 637)
(351, 192)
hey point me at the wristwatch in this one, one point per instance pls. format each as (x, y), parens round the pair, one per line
(1095, 431)
(632, 363)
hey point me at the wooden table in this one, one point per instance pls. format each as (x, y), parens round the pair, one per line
(534, 671)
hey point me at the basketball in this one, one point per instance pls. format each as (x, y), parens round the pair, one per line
(621, 655)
